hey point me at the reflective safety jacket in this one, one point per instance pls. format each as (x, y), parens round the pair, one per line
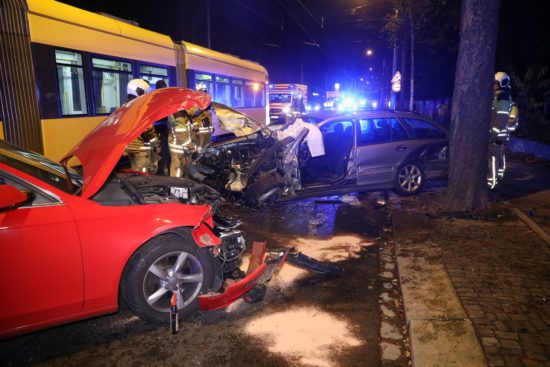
(513, 120)
(502, 106)
(148, 141)
(180, 137)
(203, 129)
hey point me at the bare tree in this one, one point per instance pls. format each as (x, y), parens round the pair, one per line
(471, 110)
(404, 22)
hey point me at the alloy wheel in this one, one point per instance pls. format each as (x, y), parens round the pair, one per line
(410, 178)
(175, 272)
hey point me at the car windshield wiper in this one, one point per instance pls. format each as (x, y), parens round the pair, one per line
(131, 189)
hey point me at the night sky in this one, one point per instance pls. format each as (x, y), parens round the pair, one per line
(320, 42)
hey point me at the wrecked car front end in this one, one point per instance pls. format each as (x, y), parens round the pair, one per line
(254, 168)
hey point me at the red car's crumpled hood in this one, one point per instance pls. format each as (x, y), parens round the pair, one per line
(101, 149)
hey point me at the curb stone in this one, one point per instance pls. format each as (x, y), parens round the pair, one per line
(394, 342)
(440, 332)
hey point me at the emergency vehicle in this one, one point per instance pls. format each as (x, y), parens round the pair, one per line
(285, 101)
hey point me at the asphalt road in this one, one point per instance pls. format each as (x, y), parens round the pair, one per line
(305, 319)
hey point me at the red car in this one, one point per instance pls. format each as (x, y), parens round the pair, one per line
(72, 245)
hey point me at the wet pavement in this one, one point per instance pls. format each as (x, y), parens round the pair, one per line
(465, 288)
(488, 281)
(306, 319)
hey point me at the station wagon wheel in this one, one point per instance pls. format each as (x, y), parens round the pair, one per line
(409, 179)
(167, 265)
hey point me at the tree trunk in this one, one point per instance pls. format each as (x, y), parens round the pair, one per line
(411, 85)
(471, 110)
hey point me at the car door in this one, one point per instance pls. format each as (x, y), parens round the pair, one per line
(431, 135)
(338, 143)
(40, 261)
(382, 144)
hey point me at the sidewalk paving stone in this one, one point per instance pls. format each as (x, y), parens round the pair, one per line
(493, 276)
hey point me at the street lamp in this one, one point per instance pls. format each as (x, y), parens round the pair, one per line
(369, 52)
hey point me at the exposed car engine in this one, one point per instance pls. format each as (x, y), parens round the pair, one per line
(232, 162)
(245, 167)
(138, 189)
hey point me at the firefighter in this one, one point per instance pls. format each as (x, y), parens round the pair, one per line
(142, 152)
(180, 143)
(202, 124)
(189, 132)
(202, 129)
(504, 116)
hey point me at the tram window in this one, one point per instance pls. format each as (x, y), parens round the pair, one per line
(110, 78)
(261, 95)
(254, 95)
(237, 95)
(70, 78)
(223, 91)
(153, 74)
(204, 81)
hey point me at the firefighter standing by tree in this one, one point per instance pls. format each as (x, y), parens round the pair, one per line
(142, 152)
(503, 120)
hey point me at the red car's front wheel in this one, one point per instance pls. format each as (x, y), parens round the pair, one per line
(164, 266)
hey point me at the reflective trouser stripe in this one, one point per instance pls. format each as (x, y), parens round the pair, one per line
(493, 180)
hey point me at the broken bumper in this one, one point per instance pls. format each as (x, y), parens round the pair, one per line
(260, 271)
(259, 276)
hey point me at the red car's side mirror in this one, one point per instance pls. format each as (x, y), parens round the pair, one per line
(10, 197)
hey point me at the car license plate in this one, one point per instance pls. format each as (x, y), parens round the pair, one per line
(180, 192)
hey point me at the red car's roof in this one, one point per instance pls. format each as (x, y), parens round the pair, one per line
(101, 149)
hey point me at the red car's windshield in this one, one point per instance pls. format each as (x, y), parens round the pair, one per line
(38, 166)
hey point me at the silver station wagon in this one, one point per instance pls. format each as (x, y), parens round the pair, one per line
(363, 151)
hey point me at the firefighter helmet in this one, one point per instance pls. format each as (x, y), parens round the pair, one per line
(502, 79)
(137, 87)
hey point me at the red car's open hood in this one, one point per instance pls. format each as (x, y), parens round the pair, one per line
(101, 149)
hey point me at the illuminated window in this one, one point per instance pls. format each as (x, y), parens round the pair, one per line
(223, 91)
(254, 94)
(153, 74)
(110, 78)
(204, 81)
(260, 87)
(70, 78)
(237, 93)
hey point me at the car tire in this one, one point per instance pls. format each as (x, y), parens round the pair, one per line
(409, 179)
(150, 280)
(266, 188)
